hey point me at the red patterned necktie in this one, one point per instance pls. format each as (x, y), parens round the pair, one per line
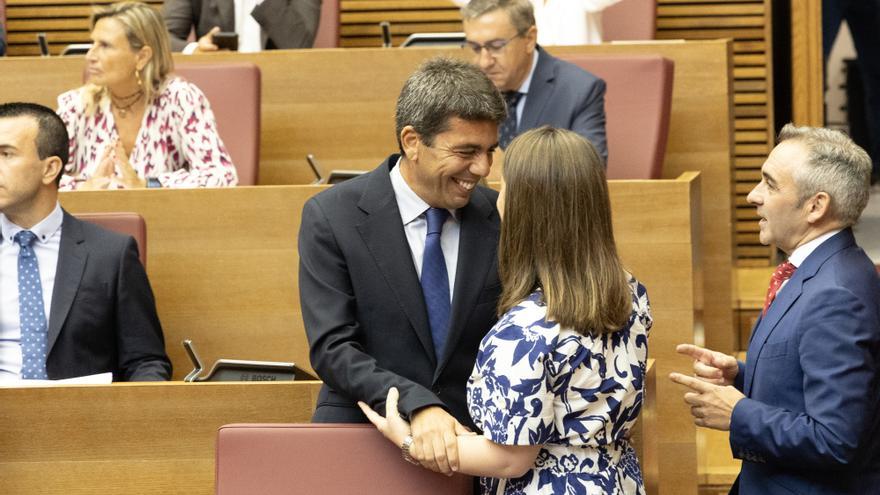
(783, 272)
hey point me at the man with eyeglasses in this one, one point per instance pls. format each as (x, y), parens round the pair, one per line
(539, 89)
(398, 276)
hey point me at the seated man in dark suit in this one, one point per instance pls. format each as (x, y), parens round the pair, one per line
(539, 88)
(270, 24)
(803, 411)
(74, 298)
(398, 274)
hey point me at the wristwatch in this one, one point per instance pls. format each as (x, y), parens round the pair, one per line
(404, 449)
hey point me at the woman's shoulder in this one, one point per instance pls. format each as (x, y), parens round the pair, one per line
(71, 100)
(176, 87)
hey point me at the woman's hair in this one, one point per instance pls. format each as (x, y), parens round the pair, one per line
(143, 26)
(556, 233)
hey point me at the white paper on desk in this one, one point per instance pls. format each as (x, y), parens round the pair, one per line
(98, 379)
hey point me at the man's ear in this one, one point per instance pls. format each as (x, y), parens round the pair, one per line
(531, 36)
(51, 168)
(409, 141)
(818, 207)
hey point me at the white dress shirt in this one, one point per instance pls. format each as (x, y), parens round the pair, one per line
(250, 34)
(46, 247)
(801, 252)
(415, 225)
(524, 89)
(570, 22)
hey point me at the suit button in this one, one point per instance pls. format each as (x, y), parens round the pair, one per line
(437, 390)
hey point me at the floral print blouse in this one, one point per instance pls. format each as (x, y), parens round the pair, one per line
(177, 143)
(535, 383)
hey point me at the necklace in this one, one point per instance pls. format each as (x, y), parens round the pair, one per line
(124, 103)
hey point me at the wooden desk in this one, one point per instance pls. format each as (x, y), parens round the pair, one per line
(223, 264)
(131, 438)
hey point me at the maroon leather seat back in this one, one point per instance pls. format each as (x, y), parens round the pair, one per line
(275, 459)
(328, 27)
(630, 20)
(233, 89)
(637, 106)
(125, 223)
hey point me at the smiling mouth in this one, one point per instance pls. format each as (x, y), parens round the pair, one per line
(465, 184)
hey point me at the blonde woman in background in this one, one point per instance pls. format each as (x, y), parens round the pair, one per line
(132, 125)
(559, 380)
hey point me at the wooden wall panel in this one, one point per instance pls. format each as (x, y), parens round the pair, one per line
(360, 20)
(748, 23)
(63, 21)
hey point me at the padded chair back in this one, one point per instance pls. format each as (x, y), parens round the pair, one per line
(328, 27)
(233, 88)
(275, 459)
(630, 20)
(637, 104)
(124, 223)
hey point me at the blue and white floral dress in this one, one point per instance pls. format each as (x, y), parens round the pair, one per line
(578, 396)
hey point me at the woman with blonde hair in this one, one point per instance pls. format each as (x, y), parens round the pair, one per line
(558, 381)
(132, 125)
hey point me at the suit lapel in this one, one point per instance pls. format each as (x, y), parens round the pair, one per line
(476, 255)
(540, 91)
(787, 296)
(382, 233)
(72, 257)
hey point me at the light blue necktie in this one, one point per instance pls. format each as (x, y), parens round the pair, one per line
(34, 336)
(435, 280)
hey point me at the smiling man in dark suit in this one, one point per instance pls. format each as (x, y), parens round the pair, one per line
(74, 298)
(539, 88)
(398, 272)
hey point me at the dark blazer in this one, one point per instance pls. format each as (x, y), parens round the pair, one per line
(563, 95)
(811, 421)
(285, 23)
(363, 308)
(103, 315)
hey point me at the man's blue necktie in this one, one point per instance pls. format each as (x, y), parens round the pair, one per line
(435, 280)
(34, 336)
(509, 126)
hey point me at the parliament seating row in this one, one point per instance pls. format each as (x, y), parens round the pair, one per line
(223, 265)
(339, 106)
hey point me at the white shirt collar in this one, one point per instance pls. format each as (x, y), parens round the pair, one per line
(45, 229)
(801, 252)
(524, 88)
(409, 203)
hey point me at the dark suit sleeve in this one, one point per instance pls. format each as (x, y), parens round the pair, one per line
(837, 351)
(289, 23)
(335, 335)
(141, 346)
(589, 119)
(180, 17)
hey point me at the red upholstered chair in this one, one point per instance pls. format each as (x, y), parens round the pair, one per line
(275, 459)
(328, 27)
(125, 223)
(630, 20)
(637, 106)
(233, 88)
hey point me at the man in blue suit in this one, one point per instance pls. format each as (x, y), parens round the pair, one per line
(539, 88)
(802, 411)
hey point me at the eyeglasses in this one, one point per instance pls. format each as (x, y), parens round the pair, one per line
(494, 47)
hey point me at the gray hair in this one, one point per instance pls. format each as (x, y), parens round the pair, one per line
(443, 88)
(521, 13)
(835, 165)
